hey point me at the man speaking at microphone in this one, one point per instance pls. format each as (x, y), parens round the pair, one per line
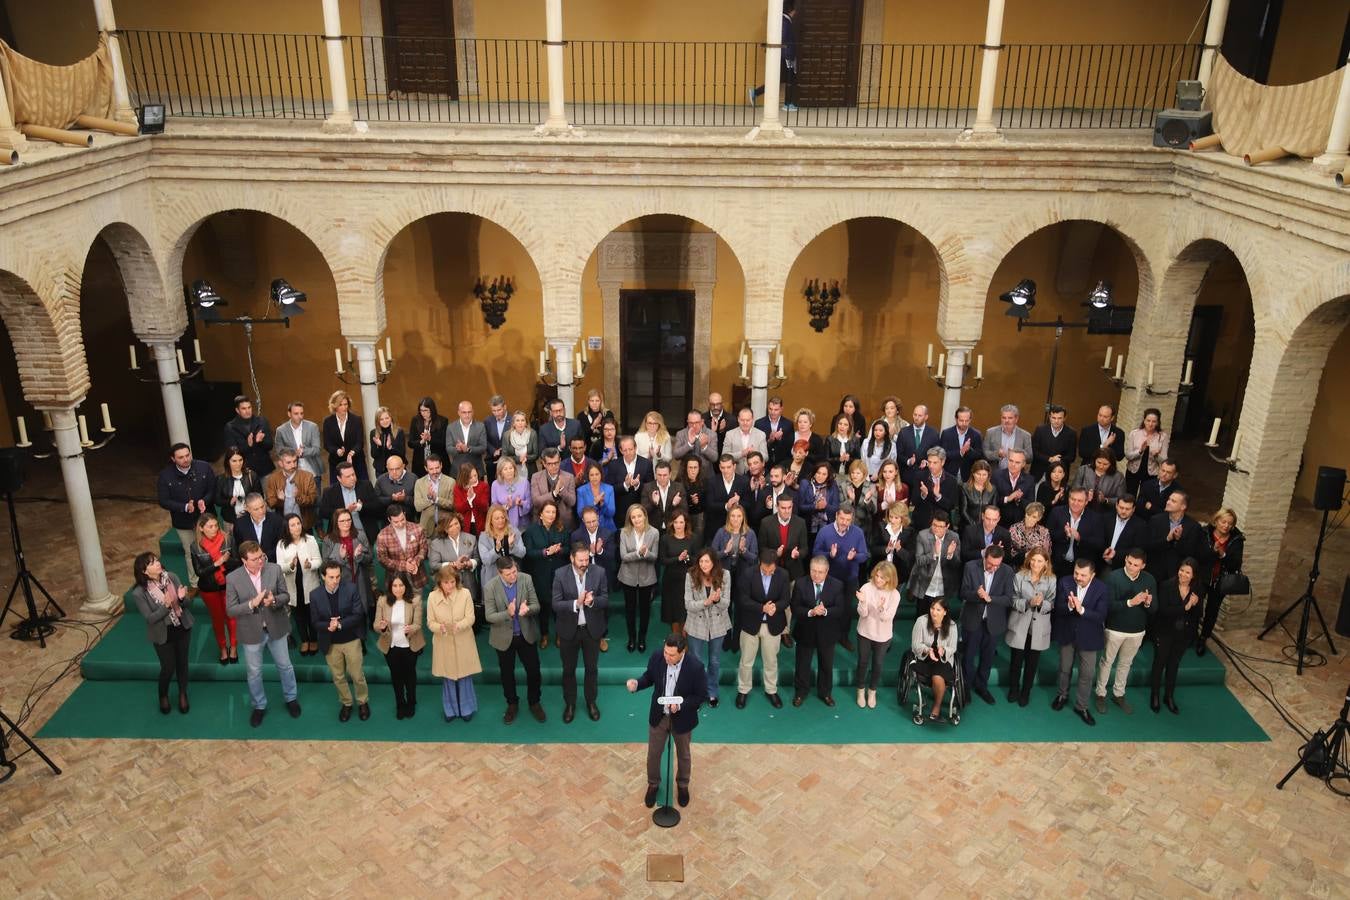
(674, 672)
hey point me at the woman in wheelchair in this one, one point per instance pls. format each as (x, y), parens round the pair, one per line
(934, 647)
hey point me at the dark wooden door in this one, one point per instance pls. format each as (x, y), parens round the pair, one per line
(656, 356)
(1193, 415)
(419, 53)
(828, 32)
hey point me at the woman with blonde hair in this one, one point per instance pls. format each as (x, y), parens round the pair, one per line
(594, 416)
(214, 557)
(386, 439)
(859, 494)
(638, 549)
(454, 654)
(521, 442)
(653, 440)
(878, 601)
(511, 490)
(343, 436)
(804, 423)
(1224, 543)
(1033, 601)
(1029, 533)
(498, 538)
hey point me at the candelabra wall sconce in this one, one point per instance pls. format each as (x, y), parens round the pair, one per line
(822, 297)
(940, 375)
(184, 373)
(777, 374)
(548, 370)
(348, 372)
(1232, 460)
(1148, 387)
(47, 452)
(493, 297)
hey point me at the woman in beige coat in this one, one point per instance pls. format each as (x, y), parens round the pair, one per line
(454, 655)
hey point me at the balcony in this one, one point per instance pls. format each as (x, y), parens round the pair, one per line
(648, 84)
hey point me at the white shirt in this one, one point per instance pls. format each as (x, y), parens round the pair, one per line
(672, 675)
(935, 587)
(402, 535)
(1115, 535)
(396, 623)
(1073, 523)
(342, 426)
(988, 586)
(577, 606)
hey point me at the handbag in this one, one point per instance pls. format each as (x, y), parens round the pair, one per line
(1231, 583)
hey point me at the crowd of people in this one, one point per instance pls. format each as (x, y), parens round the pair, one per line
(745, 536)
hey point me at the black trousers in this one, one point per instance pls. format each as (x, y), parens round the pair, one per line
(173, 659)
(529, 658)
(1213, 603)
(850, 608)
(824, 653)
(402, 662)
(637, 609)
(1167, 656)
(582, 644)
(1022, 670)
(303, 624)
(979, 656)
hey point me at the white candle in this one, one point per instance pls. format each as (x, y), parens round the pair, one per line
(979, 367)
(134, 364)
(1186, 376)
(23, 433)
(1150, 373)
(46, 421)
(930, 356)
(107, 417)
(1213, 434)
(388, 348)
(196, 351)
(1237, 443)
(585, 357)
(543, 363)
(337, 359)
(182, 366)
(379, 356)
(349, 353)
(782, 374)
(742, 365)
(578, 363)
(942, 364)
(1107, 365)
(1120, 365)
(742, 351)
(84, 431)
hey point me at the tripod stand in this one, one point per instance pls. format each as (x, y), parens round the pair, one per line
(36, 626)
(7, 767)
(1308, 603)
(1330, 754)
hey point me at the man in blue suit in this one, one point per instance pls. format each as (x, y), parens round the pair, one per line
(913, 443)
(963, 444)
(1078, 626)
(339, 623)
(986, 594)
(673, 672)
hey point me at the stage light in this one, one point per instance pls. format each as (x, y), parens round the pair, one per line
(205, 299)
(287, 298)
(1100, 297)
(152, 118)
(1021, 299)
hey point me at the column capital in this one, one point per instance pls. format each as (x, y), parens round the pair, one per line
(757, 345)
(57, 409)
(963, 346)
(150, 340)
(362, 339)
(562, 343)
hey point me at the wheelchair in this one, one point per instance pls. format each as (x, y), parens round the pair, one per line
(911, 681)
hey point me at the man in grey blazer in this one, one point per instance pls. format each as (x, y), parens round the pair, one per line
(937, 563)
(512, 609)
(466, 441)
(256, 598)
(1005, 437)
(696, 439)
(744, 439)
(301, 435)
(986, 594)
(580, 598)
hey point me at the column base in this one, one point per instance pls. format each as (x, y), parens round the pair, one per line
(108, 605)
(769, 131)
(558, 129)
(126, 114)
(339, 123)
(13, 139)
(1331, 163)
(981, 134)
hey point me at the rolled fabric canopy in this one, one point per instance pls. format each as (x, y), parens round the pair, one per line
(55, 96)
(1256, 118)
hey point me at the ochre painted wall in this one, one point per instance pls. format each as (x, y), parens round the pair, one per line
(1308, 40)
(1330, 432)
(1225, 286)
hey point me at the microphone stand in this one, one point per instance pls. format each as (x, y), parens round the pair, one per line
(667, 816)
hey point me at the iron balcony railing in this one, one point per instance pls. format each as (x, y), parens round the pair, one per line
(652, 83)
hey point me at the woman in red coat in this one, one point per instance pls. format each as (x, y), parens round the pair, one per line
(471, 499)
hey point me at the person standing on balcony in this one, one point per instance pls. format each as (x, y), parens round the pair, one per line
(788, 61)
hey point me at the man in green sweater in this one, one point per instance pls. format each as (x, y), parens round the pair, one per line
(1132, 591)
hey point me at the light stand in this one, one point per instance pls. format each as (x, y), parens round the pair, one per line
(666, 815)
(1327, 752)
(1308, 604)
(37, 625)
(7, 766)
(1059, 325)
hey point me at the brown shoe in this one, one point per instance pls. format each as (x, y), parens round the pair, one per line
(787, 640)
(538, 712)
(543, 642)
(604, 645)
(510, 716)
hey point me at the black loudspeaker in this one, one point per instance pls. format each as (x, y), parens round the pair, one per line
(1343, 617)
(11, 470)
(1178, 127)
(1330, 488)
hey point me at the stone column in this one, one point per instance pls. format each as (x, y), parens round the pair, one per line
(65, 430)
(165, 355)
(1218, 18)
(613, 387)
(553, 33)
(564, 371)
(341, 117)
(369, 377)
(107, 26)
(1335, 156)
(760, 352)
(993, 42)
(10, 137)
(958, 355)
(773, 63)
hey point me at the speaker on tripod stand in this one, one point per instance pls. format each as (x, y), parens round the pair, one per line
(36, 626)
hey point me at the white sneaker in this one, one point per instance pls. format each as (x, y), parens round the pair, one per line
(862, 702)
(871, 699)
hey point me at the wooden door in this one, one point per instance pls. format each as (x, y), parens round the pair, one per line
(420, 47)
(656, 356)
(828, 32)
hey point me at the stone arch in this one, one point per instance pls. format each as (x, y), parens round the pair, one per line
(48, 348)
(153, 312)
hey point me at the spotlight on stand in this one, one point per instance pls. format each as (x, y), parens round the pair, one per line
(1100, 297)
(152, 118)
(287, 298)
(1021, 299)
(205, 300)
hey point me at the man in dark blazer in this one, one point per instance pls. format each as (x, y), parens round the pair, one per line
(818, 611)
(986, 594)
(762, 617)
(186, 489)
(1121, 533)
(913, 443)
(558, 430)
(627, 473)
(931, 489)
(1078, 626)
(252, 435)
(396, 485)
(261, 525)
(963, 444)
(777, 432)
(662, 496)
(580, 598)
(1102, 433)
(603, 543)
(1172, 537)
(1153, 492)
(723, 490)
(672, 671)
(978, 536)
(466, 442)
(937, 564)
(1075, 533)
(495, 427)
(257, 599)
(1052, 442)
(339, 619)
(1014, 488)
(355, 494)
(793, 552)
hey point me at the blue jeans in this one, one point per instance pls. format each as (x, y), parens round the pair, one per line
(710, 654)
(253, 662)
